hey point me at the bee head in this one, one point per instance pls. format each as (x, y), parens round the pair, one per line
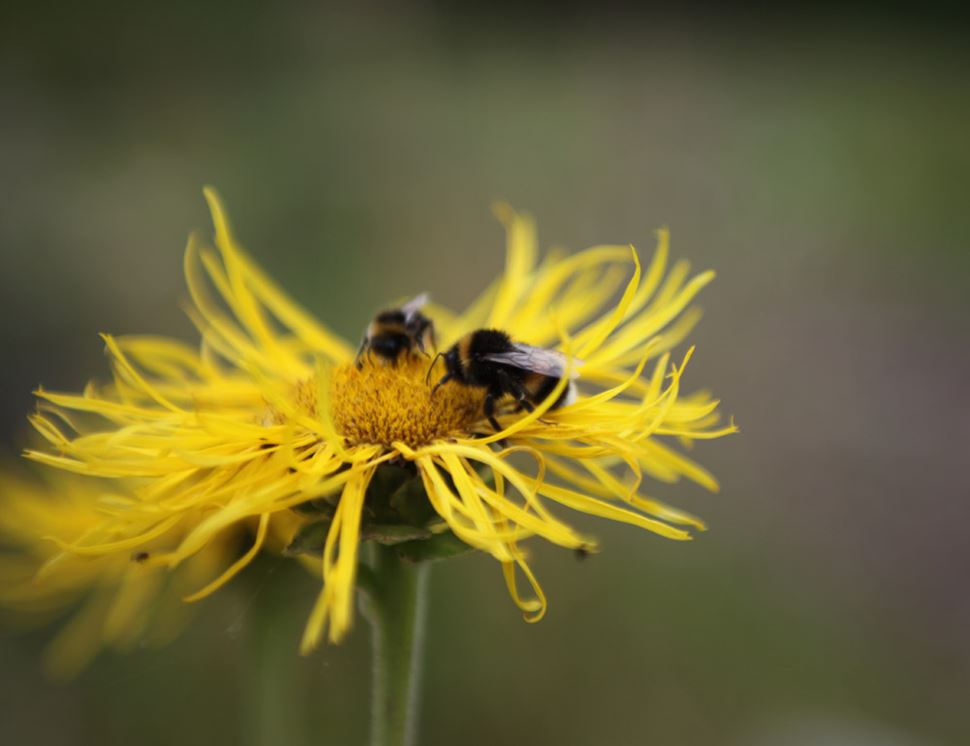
(453, 366)
(454, 363)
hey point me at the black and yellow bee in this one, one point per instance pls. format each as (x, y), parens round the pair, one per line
(489, 359)
(398, 330)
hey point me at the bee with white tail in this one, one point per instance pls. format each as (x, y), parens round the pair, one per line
(489, 359)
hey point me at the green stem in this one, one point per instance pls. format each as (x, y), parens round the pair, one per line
(273, 694)
(396, 609)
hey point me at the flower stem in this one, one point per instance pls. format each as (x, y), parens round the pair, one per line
(273, 697)
(396, 609)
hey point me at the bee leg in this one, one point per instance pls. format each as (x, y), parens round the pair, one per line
(427, 376)
(528, 406)
(421, 348)
(522, 400)
(517, 390)
(526, 403)
(489, 408)
(444, 379)
(360, 353)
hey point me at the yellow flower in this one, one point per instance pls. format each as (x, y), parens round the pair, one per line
(123, 600)
(270, 418)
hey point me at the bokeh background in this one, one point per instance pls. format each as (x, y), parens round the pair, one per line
(818, 161)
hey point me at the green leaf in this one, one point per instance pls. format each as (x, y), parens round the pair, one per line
(393, 534)
(388, 479)
(397, 513)
(411, 503)
(441, 546)
(318, 507)
(309, 539)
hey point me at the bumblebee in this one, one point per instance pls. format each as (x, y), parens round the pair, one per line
(489, 359)
(398, 330)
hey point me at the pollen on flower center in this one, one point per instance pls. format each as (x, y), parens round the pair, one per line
(382, 403)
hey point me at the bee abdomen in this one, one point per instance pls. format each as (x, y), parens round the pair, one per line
(540, 387)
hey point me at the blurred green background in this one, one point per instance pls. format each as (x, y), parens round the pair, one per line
(819, 162)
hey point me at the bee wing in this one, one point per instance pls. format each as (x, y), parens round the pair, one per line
(537, 359)
(414, 306)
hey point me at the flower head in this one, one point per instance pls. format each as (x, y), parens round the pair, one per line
(272, 424)
(119, 599)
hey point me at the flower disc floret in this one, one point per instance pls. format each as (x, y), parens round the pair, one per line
(381, 403)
